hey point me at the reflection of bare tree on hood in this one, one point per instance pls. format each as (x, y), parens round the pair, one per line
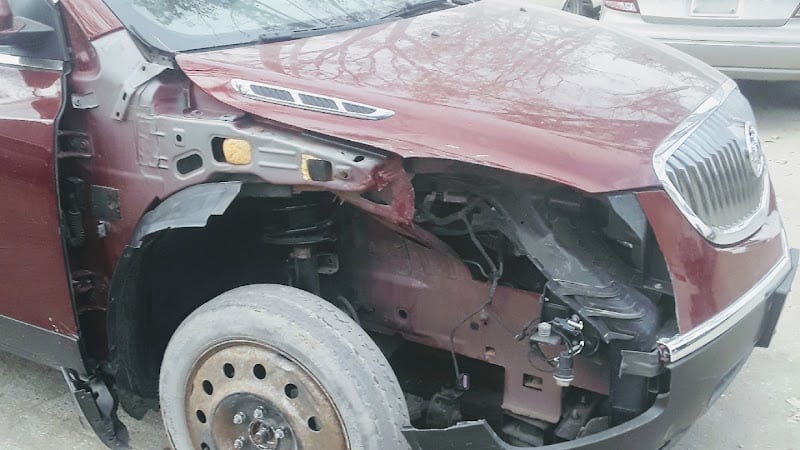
(230, 15)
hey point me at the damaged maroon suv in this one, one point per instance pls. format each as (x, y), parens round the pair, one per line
(382, 224)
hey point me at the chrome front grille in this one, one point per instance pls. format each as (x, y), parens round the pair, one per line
(714, 170)
(713, 174)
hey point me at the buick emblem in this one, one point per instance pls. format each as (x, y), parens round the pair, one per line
(755, 153)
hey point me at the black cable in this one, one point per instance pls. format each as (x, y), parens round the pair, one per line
(567, 342)
(448, 219)
(477, 243)
(535, 321)
(495, 278)
(593, 351)
(480, 267)
(541, 356)
(499, 320)
(492, 290)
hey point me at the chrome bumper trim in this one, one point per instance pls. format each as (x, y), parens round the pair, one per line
(31, 63)
(680, 346)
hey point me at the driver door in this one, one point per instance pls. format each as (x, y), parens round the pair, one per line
(37, 320)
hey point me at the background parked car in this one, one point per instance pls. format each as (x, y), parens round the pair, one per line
(749, 39)
(588, 8)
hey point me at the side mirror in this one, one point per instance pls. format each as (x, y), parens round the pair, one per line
(19, 31)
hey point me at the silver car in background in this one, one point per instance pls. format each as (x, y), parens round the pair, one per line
(746, 39)
(586, 8)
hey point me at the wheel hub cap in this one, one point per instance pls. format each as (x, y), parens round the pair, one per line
(244, 395)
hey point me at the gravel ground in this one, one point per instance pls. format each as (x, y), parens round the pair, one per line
(760, 410)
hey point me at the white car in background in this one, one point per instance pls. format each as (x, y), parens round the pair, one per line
(588, 8)
(746, 39)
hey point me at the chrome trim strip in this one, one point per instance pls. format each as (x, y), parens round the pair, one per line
(674, 142)
(245, 88)
(678, 347)
(40, 345)
(31, 63)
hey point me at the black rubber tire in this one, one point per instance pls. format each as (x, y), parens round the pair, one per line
(337, 352)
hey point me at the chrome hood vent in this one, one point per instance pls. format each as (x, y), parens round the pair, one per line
(307, 100)
(714, 169)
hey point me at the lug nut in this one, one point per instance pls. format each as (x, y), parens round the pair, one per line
(239, 418)
(258, 413)
(239, 442)
(279, 434)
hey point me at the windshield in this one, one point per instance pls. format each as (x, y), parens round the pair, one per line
(184, 25)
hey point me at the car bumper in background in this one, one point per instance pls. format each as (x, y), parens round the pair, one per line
(696, 381)
(752, 61)
(759, 53)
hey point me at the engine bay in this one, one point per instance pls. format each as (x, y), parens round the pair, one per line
(539, 315)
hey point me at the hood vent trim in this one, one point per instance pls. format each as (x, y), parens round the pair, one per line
(309, 101)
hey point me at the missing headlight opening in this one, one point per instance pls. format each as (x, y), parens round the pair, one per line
(558, 283)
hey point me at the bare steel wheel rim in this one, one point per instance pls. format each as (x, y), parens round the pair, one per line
(247, 395)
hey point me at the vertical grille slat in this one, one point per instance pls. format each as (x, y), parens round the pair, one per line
(712, 173)
(725, 188)
(739, 173)
(705, 160)
(729, 165)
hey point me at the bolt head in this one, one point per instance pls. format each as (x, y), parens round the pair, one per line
(239, 442)
(238, 418)
(258, 413)
(279, 434)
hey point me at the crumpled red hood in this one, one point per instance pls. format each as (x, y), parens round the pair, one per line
(498, 83)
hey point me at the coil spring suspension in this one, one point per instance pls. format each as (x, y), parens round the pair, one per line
(303, 223)
(303, 220)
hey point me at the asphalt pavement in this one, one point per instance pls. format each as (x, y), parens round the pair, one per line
(760, 410)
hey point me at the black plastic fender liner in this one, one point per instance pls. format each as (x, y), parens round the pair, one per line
(99, 406)
(128, 360)
(131, 364)
(189, 208)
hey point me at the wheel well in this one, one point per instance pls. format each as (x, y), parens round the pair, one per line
(175, 271)
(470, 243)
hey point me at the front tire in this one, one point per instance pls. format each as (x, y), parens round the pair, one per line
(274, 367)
